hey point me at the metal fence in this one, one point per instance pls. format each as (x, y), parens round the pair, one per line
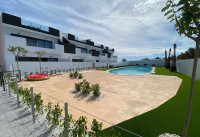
(66, 106)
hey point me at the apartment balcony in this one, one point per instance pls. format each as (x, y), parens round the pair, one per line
(113, 58)
(22, 42)
(21, 23)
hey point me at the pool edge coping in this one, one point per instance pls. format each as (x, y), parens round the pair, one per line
(151, 72)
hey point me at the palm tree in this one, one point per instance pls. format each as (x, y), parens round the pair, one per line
(173, 67)
(165, 58)
(168, 61)
(17, 51)
(40, 54)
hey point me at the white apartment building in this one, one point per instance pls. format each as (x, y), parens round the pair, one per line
(63, 51)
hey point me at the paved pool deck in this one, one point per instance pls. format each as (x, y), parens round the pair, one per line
(123, 97)
(17, 121)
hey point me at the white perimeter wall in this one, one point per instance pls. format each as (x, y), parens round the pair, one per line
(186, 66)
(183, 66)
(157, 63)
(47, 66)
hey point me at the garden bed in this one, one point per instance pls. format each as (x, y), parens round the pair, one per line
(37, 77)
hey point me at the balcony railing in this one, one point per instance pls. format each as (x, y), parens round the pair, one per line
(34, 25)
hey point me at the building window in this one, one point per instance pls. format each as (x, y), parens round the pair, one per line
(97, 60)
(48, 44)
(77, 60)
(32, 59)
(40, 43)
(35, 42)
(102, 54)
(84, 51)
(31, 42)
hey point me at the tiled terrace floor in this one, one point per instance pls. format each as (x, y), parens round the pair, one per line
(17, 121)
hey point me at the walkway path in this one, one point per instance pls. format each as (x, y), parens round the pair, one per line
(17, 121)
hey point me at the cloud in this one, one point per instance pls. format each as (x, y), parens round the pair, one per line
(134, 28)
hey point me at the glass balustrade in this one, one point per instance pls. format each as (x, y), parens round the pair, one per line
(34, 25)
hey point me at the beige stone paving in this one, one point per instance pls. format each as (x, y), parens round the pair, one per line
(135, 94)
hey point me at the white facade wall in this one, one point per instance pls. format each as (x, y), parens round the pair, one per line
(8, 29)
(58, 52)
(2, 60)
(7, 59)
(186, 66)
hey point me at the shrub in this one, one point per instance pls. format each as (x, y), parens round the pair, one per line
(56, 114)
(80, 127)
(26, 96)
(17, 76)
(67, 70)
(78, 86)
(38, 102)
(31, 73)
(36, 72)
(96, 127)
(71, 75)
(96, 90)
(55, 71)
(49, 111)
(51, 72)
(86, 89)
(53, 114)
(58, 71)
(80, 76)
(63, 70)
(12, 87)
(25, 74)
(75, 74)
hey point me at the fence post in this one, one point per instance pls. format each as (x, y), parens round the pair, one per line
(66, 120)
(9, 85)
(17, 92)
(32, 104)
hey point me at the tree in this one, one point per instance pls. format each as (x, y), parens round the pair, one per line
(146, 59)
(17, 51)
(173, 67)
(40, 54)
(123, 60)
(157, 58)
(189, 54)
(186, 15)
(168, 60)
(165, 58)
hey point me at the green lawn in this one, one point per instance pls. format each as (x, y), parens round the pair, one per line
(170, 116)
(105, 69)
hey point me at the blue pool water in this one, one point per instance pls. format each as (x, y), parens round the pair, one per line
(131, 70)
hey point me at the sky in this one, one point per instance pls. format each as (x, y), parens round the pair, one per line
(136, 29)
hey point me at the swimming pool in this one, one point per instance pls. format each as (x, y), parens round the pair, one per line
(131, 70)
